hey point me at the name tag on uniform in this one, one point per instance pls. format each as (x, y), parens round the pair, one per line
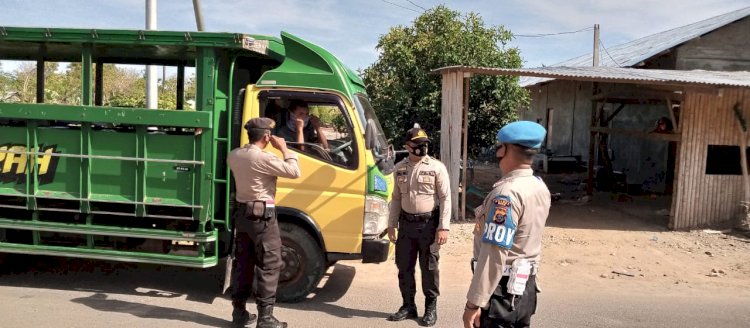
(499, 228)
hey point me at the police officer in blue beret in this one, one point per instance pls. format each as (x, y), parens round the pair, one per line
(508, 238)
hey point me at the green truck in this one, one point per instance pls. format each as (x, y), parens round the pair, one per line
(152, 185)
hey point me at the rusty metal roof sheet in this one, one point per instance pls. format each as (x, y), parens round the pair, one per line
(621, 75)
(631, 53)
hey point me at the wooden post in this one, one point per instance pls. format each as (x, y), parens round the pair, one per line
(465, 130)
(742, 122)
(450, 130)
(592, 148)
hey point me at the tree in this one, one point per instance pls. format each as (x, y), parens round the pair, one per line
(404, 92)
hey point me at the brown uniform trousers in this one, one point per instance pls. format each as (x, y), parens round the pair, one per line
(258, 244)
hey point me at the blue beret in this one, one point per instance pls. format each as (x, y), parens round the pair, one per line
(524, 133)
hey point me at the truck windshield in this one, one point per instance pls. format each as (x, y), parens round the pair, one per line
(374, 132)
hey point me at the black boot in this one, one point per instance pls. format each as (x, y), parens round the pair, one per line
(430, 313)
(240, 316)
(266, 318)
(407, 311)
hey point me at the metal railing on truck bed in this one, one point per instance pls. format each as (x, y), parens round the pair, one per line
(81, 190)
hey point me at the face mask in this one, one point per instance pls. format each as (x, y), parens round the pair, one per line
(419, 151)
(291, 122)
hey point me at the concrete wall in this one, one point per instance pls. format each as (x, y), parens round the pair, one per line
(570, 102)
(642, 160)
(725, 49)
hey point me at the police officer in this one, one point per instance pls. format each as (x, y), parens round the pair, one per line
(508, 241)
(258, 242)
(421, 210)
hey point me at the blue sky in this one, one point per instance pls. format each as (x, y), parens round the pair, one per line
(350, 29)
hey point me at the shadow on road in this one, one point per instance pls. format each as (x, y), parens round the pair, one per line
(100, 302)
(42, 272)
(331, 289)
(104, 279)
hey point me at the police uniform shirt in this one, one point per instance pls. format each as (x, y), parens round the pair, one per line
(256, 172)
(511, 222)
(419, 188)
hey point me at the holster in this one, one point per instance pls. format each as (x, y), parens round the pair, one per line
(259, 210)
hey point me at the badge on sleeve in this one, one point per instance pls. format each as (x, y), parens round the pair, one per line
(499, 228)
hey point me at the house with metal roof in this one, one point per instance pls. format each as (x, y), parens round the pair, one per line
(721, 43)
(658, 117)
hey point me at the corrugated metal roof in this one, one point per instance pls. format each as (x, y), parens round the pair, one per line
(621, 75)
(631, 53)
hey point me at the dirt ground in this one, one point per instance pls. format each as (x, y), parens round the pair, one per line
(622, 243)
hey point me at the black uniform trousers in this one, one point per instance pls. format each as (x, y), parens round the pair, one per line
(506, 312)
(414, 241)
(257, 244)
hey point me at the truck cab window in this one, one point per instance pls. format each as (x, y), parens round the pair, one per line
(313, 127)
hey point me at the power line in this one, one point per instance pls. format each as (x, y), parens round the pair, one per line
(552, 34)
(416, 5)
(400, 6)
(607, 51)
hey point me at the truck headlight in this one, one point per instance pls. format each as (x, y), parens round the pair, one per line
(376, 215)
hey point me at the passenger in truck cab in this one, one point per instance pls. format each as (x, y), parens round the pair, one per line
(298, 127)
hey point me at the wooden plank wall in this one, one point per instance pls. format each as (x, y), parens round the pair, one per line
(450, 131)
(706, 119)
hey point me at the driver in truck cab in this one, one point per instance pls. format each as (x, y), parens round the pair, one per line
(297, 126)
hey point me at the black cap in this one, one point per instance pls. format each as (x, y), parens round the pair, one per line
(417, 135)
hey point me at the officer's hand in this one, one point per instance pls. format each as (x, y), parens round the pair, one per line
(471, 318)
(392, 234)
(441, 237)
(278, 143)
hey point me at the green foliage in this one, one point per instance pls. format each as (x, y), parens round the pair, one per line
(404, 92)
(324, 113)
(123, 87)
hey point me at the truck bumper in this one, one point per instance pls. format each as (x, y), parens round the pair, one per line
(375, 250)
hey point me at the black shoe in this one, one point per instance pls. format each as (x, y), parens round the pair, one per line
(407, 311)
(430, 317)
(267, 320)
(240, 316)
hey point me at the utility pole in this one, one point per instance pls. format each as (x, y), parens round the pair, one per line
(593, 136)
(596, 45)
(152, 93)
(198, 15)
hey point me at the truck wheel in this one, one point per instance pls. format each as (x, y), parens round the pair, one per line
(303, 265)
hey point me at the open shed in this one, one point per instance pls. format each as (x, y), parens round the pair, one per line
(702, 104)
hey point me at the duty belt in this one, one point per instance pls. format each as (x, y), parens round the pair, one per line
(264, 217)
(421, 217)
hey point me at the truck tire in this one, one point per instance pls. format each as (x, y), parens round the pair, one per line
(304, 264)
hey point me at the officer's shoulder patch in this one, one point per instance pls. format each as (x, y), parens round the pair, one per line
(502, 206)
(499, 227)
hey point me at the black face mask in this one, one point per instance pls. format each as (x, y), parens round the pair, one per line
(419, 151)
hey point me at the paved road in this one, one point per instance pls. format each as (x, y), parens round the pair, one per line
(74, 293)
